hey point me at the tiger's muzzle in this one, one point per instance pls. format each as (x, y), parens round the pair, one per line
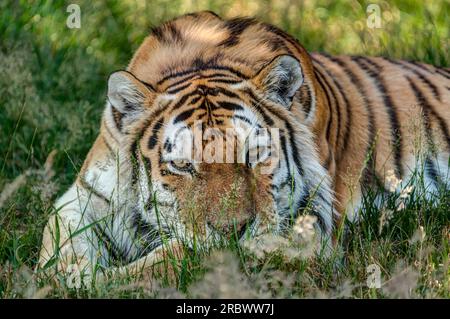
(225, 198)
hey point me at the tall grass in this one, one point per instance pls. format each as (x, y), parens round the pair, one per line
(52, 93)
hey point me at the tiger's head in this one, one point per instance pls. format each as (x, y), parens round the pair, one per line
(218, 141)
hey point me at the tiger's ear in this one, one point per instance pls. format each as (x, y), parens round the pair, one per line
(280, 79)
(127, 97)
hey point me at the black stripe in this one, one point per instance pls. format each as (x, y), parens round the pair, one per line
(348, 122)
(168, 146)
(427, 107)
(200, 13)
(327, 162)
(443, 73)
(305, 98)
(427, 82)
(117, 116)
(179, 88)
(283, 35)
(243, 118)
(434, 70)
(295, 153)
(175, 33)
(182, 81)
(426, 116)
(364, 64)
(431, 171)
(276, 43)
(118, 256)
(235, 28)
(327, 96)
(227, 81)
(195, 100)
(166, 172)
(215, 77)
(158, 33)
(201, 114)
(154, 137)
(286, 155)
(256, 105)
(206, 105)
(108, 146)
(368, 170)
(227, 93)
(91, 189)
(110, 133)
(162, 33)
(149, 120)
(183, 100)
(134, 158)
(230, 106)
(336, 104)
(219, 75)
(203, 68)
(145, 233)
(421, 66)
(184, 115)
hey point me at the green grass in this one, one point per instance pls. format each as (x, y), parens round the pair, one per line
(52, 93)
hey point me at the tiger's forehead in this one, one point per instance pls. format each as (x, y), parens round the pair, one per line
(239, 120)
(208, 96)
(204, 103)
(181, 137)
(200, 101)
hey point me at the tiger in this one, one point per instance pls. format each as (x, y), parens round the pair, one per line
(334, 125)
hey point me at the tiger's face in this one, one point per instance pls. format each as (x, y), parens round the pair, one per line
(216, 154)
(213, 156)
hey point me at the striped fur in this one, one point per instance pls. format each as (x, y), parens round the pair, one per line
(346, 123)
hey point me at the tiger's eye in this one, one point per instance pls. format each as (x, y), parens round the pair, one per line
(182, 165)
(179, 163)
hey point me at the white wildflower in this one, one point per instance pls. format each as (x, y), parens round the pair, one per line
(386, 216)
(392, 180)
(304, 226)
(406, 192)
